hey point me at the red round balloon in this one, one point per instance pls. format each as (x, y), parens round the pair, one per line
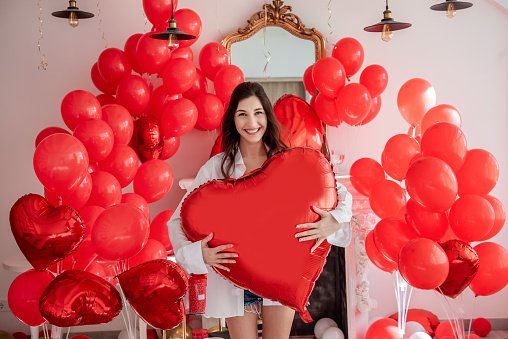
(479, 173)
(390, 235)
(120, 232)
(24, 294)
(129, 48)
(159, 228)
(183, 52)
(89, 214)
(106, 99)
(416, 96)
(178, 75)
(122, 163)
(428, 224)
(326, 110)
(120, 121)
(375, 107)
(447, 142)
(45, 234)
(153, 180)
(106, 190)
(76, 199)
(153, 250)
(171, 145)
(210, 111)
(60, 163)
(481, 326)
(376, 257)
(155, 290)
(152, 54)
(79, 105)
(384, 328)
(159, 11)
(423, 263)
(199, 86)
(492, 275)
(431, 182)
(212, 57)
(308, 83)
(353, 103)
(133, 93)
(188, 22)
(375, 78)
(97, 137)
(398, 152)
(464, 263)
(441, 113)
(225, 81)
(138, 201)
(386, 198)
(448, 329)
(47, 132)
(77, 297)
(471, 218)
(364, 173)
(500, 217)
(103, 85)
(350, 53)
(329, 76)
(113, 65)
(178, 117)
(159, 98)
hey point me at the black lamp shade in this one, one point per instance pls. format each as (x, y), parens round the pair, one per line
(394, 25)
(65, 13)
(172, 31)
(456, 4)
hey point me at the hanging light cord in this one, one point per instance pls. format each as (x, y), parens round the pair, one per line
(43, 65)
(100, 22)
(266, 53)
(217, 19)
(331, 28)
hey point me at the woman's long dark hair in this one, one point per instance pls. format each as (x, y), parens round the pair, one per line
(231, 137)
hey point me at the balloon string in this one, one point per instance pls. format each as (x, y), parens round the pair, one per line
(43, 65)
(327, 43)
(266, 53)
(217, 19)
(100, 22)
(146, 21)
(451, 319)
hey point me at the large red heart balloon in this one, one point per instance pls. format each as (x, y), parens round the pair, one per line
(464, 264)
(155, 290)
(77, 297)
(45, 234)
(303, 127)
(257, 213)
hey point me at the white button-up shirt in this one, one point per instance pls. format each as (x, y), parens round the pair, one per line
(224, 299)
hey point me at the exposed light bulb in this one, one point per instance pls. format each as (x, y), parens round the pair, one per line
(173, 42)
(387, 33)
(450, 11)
(73, 19)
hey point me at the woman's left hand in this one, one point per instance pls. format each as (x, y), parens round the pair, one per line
(320, 229)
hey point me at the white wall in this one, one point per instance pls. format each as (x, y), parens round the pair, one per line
(466, 60)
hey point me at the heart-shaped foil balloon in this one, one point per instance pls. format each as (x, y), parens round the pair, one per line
(464, 263)
(77, 297)
(304, 126)
(257, 213)
(147, 139)
(45, 234)
(155, 290)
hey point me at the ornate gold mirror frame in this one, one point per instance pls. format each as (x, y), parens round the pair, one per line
(278, 15)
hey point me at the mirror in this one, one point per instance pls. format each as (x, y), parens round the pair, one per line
(275, 49)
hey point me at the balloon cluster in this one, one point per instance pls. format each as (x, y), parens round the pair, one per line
(335, 101)
(85, 222)
(428, 237)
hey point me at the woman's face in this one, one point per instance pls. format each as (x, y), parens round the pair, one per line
(250, 120)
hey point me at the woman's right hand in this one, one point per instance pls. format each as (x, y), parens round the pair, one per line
(214, 256)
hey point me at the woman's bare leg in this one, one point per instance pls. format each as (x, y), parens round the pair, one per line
(277, 321)
(243, 327)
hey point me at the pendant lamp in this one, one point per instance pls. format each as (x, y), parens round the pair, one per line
(172, 34)
(451, 6)
(387, 25)
(73, 14)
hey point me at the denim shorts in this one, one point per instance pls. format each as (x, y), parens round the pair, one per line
(250, 298)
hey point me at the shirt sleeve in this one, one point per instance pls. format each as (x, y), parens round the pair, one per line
(189, 254)
(342, 213)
